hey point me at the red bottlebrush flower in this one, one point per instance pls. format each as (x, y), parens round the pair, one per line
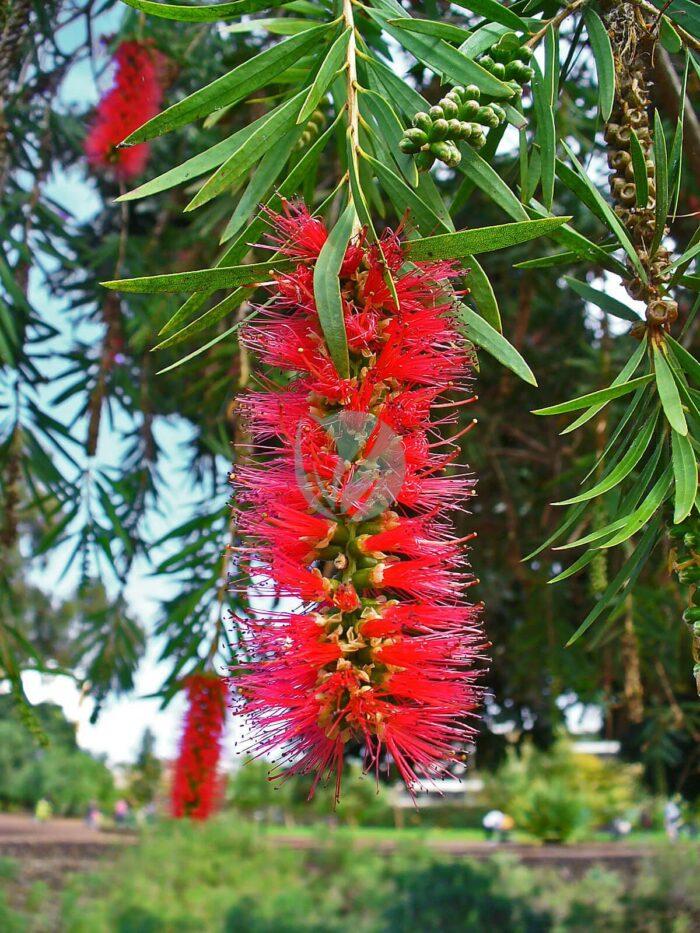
(345, 507)
(196, 787)
(134, 98)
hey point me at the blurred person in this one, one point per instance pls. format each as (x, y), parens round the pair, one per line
(492, 823)
(121, 812)
(93, 815)
(672, 818)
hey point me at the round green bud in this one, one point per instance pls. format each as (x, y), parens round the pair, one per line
(689, 575)
(487, 117)
(424, 161)
(417, 136)
(447, 152)
(423, 121)
(457, 90)
(487, 62)
(523, 53)
(449, 107)
(439, 131)
(478, 141)
(437, 113)
(455, 129)
(469, 109)
(406, 145)
(499, 111)
(498, 70)
(692, 615)
(500, 54)
(465, 129)
(471, 92)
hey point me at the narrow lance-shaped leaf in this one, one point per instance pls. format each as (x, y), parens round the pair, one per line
(496, 12)
(604, 301)
(235, 86)
(329, 303)
(685, 476)
(332, 63)
(202, 279)
(639, 166)
(626, 576)
(668, 392)
(595, 398)
(623, 468)
(207, 13)
(481, 240)
(483, 335)
(661, 179)
(604, 62)
(545, 133)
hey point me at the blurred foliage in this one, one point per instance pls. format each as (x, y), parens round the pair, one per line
(63, 774)
(223, 877)
(144, 777)
(556, 793)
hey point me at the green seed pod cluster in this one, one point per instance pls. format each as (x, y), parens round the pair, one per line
(508, 61)
(459, 116)
(312, 130)
(685, 560)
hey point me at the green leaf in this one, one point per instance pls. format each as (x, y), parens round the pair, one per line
(209, 13)
(329, 303)
(668, 392)
(661, 178)
(482, 294)
(437, 54)
(269, 170)
(668, 37)
(626, 576)
(404, 197)
(580, 184)
(483, 335)
(202, 279)
(400, 94)
(601, 300)
(332, 63)
(628, 462)
(391, 131)
(604, 62)
(638, 519)
(625, 373)
(594, 398)
(545, 133)
(483, 38)
(197, 165)
(429, 27)
(683, 12)
(236, 85)
(690, 253)
(481, 240)
(686, 359)
(685, 474)
(199, 350)
(490, 182)
(496, 12)
(641, 179)
(238, 163)
(210, 318)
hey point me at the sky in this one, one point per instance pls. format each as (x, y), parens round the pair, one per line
(118, 732)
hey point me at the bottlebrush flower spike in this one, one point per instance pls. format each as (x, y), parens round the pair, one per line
(344, 505)
(196, 787)
(134, 98)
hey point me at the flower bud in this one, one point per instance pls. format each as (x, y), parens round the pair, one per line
(437, 113)
(471, 92)
(447, 152)
(418, 137)
(423, 121)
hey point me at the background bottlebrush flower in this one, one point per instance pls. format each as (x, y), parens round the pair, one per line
(134, 98)
(382, 653)
(196, 787)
